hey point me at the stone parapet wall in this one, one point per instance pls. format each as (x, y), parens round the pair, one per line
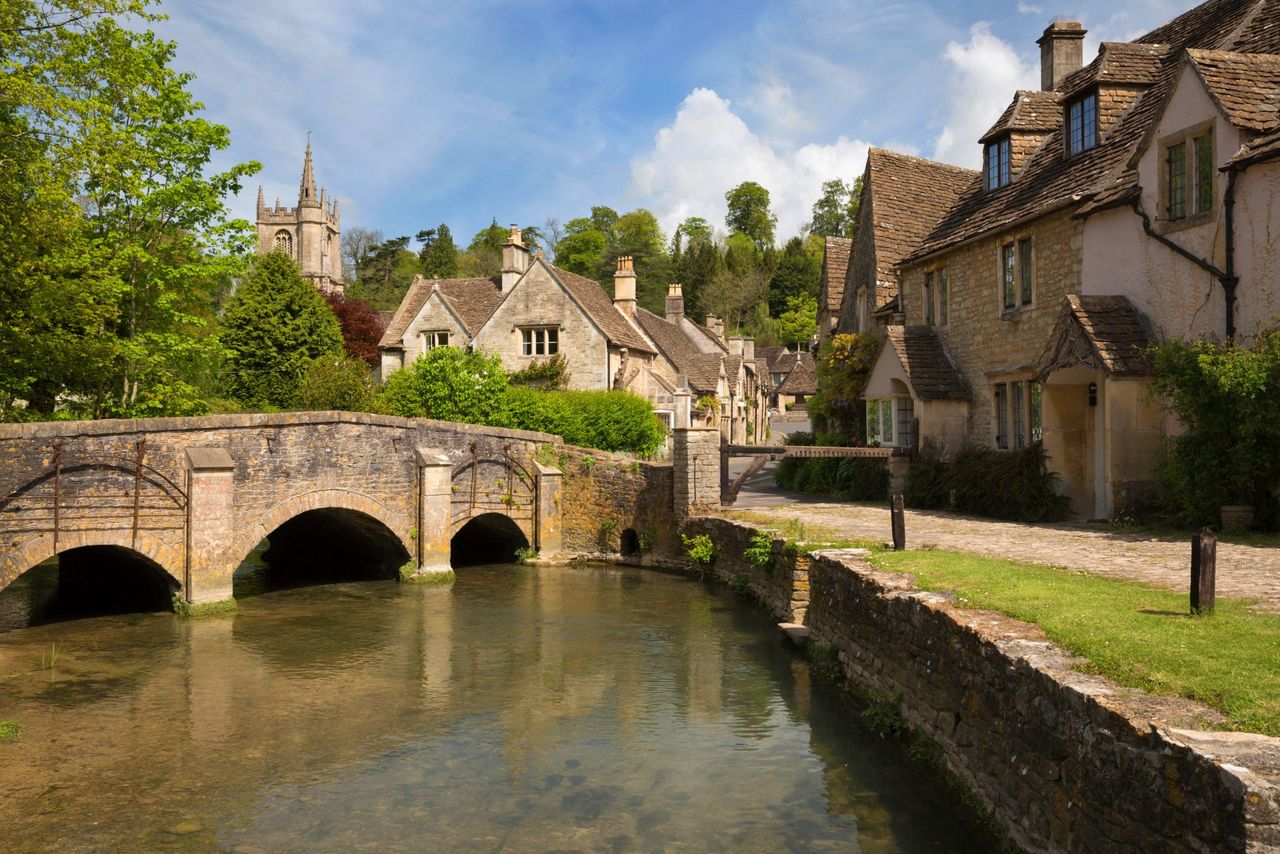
(1068, 761)
(783, 587)
(603, 495)
(695, 457)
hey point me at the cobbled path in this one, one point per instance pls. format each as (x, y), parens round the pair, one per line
(1244, 572)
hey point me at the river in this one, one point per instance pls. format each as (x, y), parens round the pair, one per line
(520, 709)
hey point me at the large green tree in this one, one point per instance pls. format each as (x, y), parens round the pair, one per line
(798, 275)
(581, 248)
(274, 326)
(835, 213)
(385, 273)
(115, 245)
(638, 235)
(439, 254)
(749, 213)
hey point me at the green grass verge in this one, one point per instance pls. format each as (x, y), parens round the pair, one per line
(9, 731)
(1134, 634)
(207, 609)
(805, 536)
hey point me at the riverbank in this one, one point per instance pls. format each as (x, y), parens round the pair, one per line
(1067, 760)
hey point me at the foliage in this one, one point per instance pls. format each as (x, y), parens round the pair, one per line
(749, 213)
(582, 248)
(1227, 398)
(759, 552)
(740, 584)
(732, 296)
(438, 255)
(10, 731)
(384, 274)
(837, 211)
(608, 420)
(700, 549)
(115, 247)
(337, 383)
(638, 235)
(186, 609)
(842, 366)
(883, 714)
(275, 324)
(526, 554)
(361, 329)
(799, 323)
(1134, 634)
(798, 276)
(358, 244)
(447, 384)
(849, 478)
(552, 373)
(1012, 484)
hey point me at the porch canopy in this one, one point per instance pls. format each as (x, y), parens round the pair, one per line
(915, 358)
(1099, 332)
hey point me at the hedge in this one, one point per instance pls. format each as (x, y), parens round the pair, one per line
(1014, 484)
(608, 420)
(849, 478)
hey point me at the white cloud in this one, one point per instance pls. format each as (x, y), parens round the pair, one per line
(708, 149)
(1028, 9)
(987, 70)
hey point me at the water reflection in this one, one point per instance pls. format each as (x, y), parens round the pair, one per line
(532, 710)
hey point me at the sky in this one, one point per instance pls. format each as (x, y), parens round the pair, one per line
(464, 112)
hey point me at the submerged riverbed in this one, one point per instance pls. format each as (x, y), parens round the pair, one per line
(519, 709)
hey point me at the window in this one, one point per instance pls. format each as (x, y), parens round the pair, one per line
(906, 412)
(880, 416)
(1082, 125)
(1017, 413)
(431, 340)
(540, 341)
(1002, 415)
(1176, 161)
(1017, 274)
(1203, 177)
(928, 299)
(284, 242)
(996, 156)
(944, 298)
(1189, 174)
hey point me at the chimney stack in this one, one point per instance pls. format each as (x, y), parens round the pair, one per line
(624, 286)
(716, 326)
(515, 259)
(675, 302)
(748, 349)
(1061, 52)
(735, 346)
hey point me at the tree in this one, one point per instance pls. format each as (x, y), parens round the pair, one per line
(733, 297)
(749, 213)
(843, 365)
(484, 253)
(336, 382)
(798, 274)
(835, 213)
(603, 218)
(695, 262)
(439, 254)
(799, 323)
(582, 247)
(386, 273)
(638, 235)
(276, 323)
(358, 244)
(115, 246)
(447, 384)
(361, 328)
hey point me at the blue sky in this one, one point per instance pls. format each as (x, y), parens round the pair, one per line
(426, 112)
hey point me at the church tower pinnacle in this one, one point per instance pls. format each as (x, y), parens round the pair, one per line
(307, 190)
(309, 233)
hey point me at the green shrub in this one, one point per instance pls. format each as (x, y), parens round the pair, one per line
(863, 479)
(850, 478)
(448, 384)
(759, 552)
(550, 374)
(608, 420)
(800, 437)
(700, 549)
(1015, 484)
(341, 383)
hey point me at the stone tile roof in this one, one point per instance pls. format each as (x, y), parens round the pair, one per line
(600, 308)
(800, 380)
(909, 196)
(770, 356)
(1117, 64)
(1245, 86)
(472, 300)
(835, 264)
(1265, 147)
(932, 373)
(702, 375)
(1031, 110)
(1098, 332)
(1050, 181)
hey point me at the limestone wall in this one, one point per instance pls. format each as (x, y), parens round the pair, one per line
(603, 495)
(783, 587)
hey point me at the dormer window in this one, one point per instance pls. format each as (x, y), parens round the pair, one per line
(1082, 124)
(996, 157)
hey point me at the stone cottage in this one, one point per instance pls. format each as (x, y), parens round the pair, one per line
(310, 233)
(1125, 201)
(535, 310)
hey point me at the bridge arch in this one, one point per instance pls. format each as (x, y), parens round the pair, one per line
(487, 538)
(41, 548)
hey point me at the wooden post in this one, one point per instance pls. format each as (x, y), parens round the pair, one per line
(1204, 571)
(899, 522)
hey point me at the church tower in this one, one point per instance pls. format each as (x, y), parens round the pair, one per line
(310, 233)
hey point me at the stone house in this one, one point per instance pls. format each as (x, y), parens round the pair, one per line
(1119, 204)
(781, 364)
(835, 266)
(535, 310)
(310, 233)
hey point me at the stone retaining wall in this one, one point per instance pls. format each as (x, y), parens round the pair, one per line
(603, 495)
(783, 588)
(1067, 761)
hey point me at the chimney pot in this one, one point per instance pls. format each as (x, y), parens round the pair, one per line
(1061, 52)
(624, 286)
(675, 302)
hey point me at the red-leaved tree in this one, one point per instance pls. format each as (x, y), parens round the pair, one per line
(361, 328)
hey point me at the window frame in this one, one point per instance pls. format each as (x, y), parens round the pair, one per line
(929, 313)
(429, 339)
(1189, 176)
(1016, 274)
(536, 341)
(944, 297)
(1081, 136)
(1017, 405)
(1001, 174)
(286, 236)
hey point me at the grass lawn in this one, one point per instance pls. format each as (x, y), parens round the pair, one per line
(810, 537)
(1133, 634)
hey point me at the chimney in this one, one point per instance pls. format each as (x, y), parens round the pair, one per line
(1061, 52)
(748, 349)
(675, 302)
(624, 286)
(515, 259)
(735, 345)
(716, 326)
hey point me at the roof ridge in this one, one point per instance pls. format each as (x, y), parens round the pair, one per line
(917, 158)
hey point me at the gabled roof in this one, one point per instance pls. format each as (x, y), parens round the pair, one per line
(908, 196)
(1049, 181)
(1265, 147)
(1031, 111)
(835, 263)
(1097, 332)
(471, 301)
(770, 356)
(600, 308)
(701, 374)
(932, 374)
(801, 380)
(1246, 86)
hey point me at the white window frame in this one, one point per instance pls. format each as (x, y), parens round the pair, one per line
(433, 338)
(539, 340)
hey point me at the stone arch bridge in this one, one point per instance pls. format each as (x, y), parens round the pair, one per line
(196, 495)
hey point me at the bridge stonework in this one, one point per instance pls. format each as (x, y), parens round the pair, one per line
(195, 495)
